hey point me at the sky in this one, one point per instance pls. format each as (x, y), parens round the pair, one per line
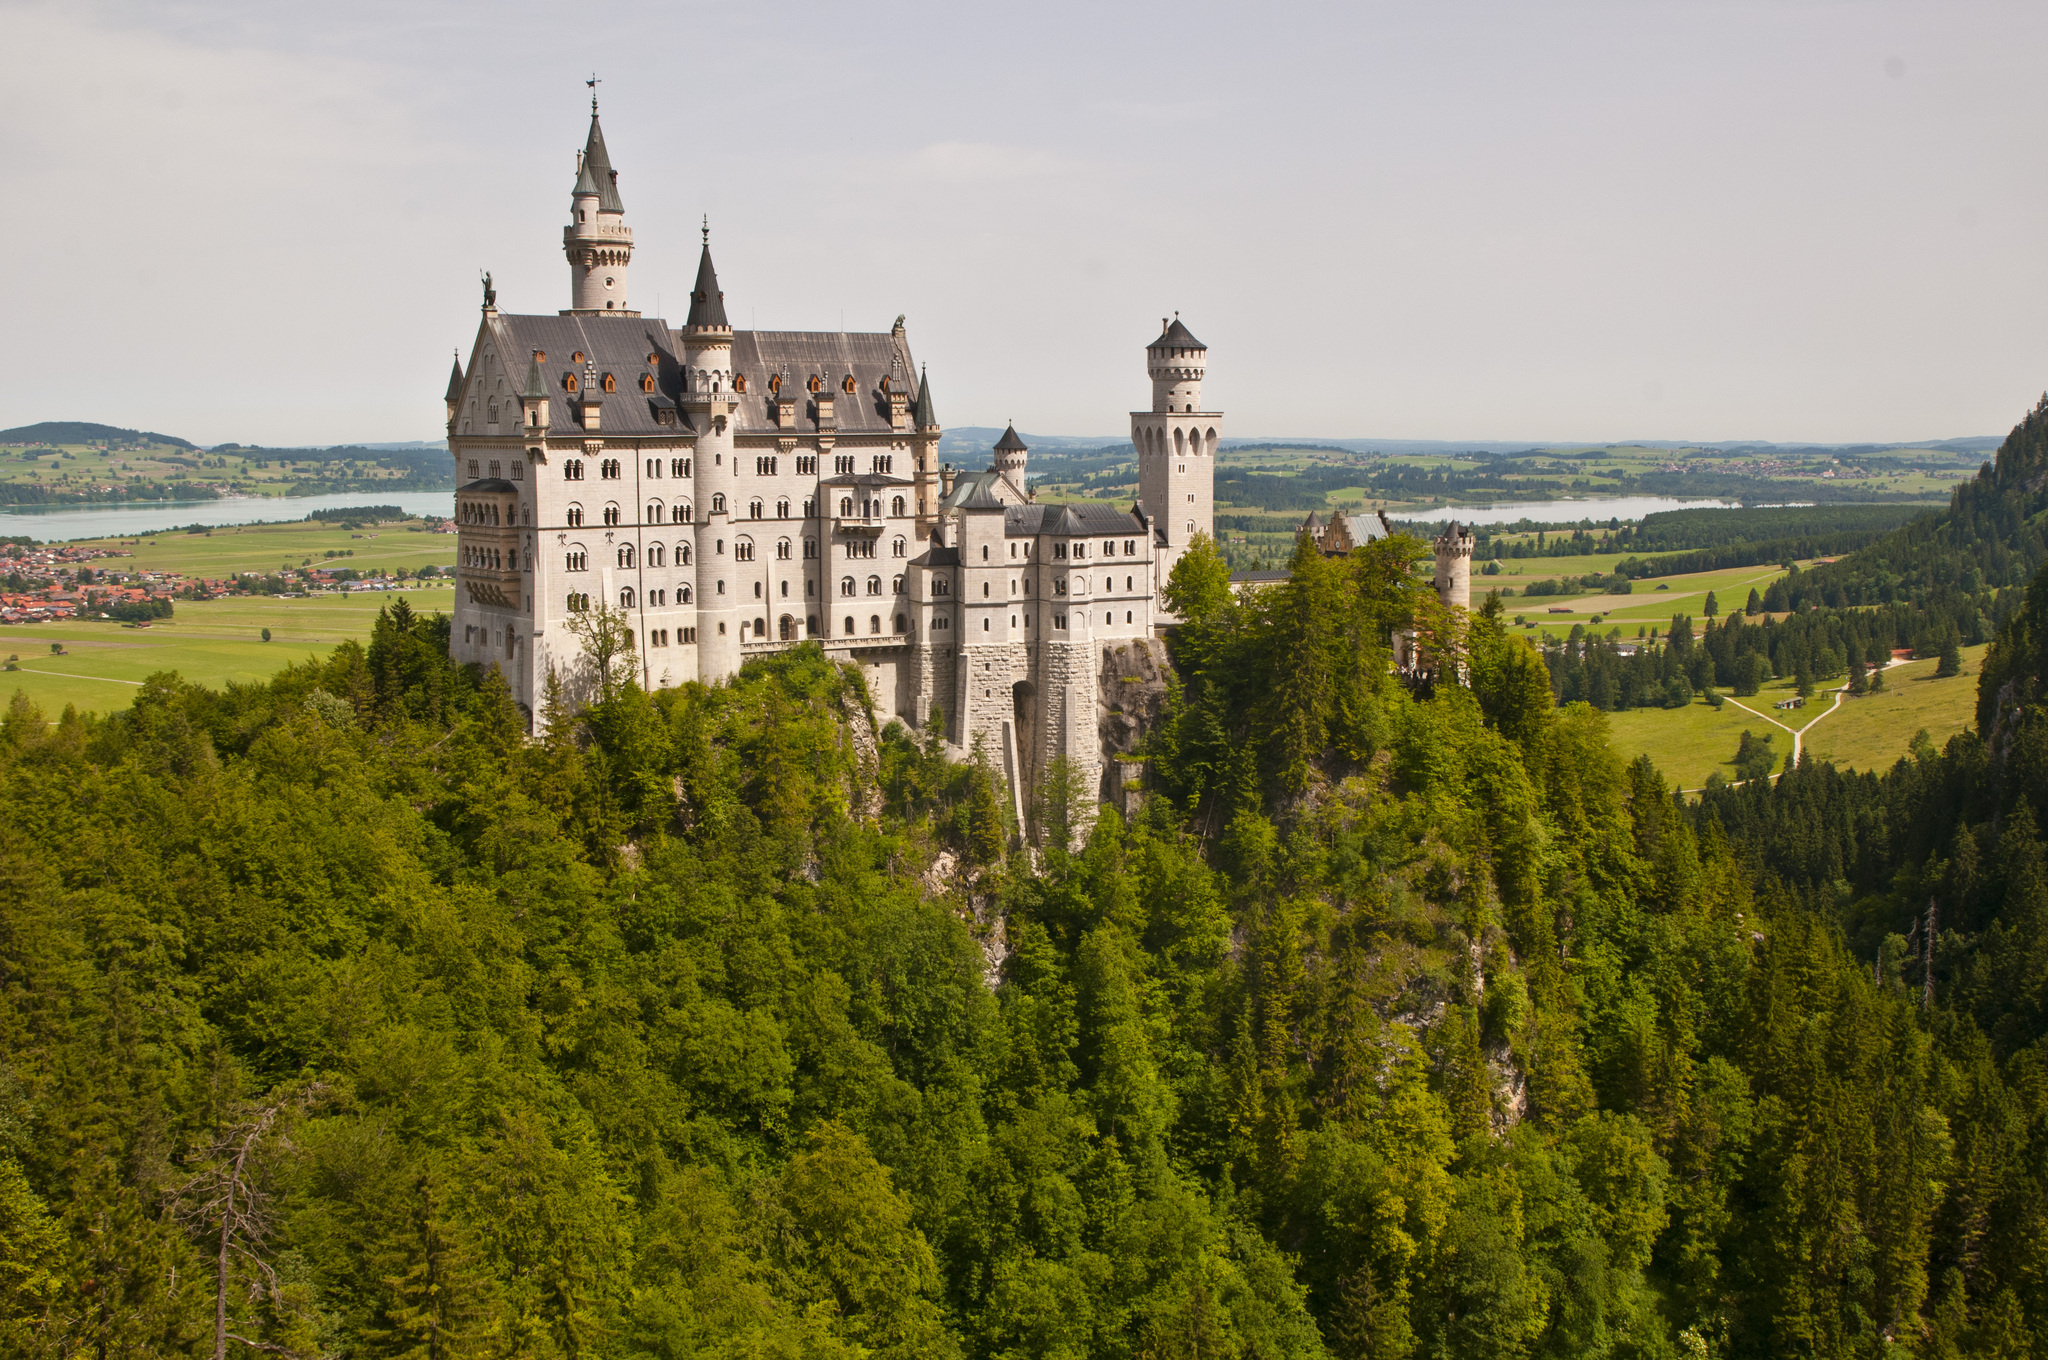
(1531, 220)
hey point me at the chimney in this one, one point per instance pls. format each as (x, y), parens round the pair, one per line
(945, 481)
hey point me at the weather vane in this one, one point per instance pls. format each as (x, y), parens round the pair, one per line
(707, 229)
(592, 83)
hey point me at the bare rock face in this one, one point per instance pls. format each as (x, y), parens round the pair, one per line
(1131, 689)
(864, 799)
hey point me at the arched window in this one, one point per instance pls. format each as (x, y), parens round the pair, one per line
(718, 504)
(782, 550)
(846, 585)
(683, 595)
(874, 585)
(654, 512)
(611, 514)
(573, 606)
(874, 620)
(626, 555)
(679, 514)
(899, 623)
(577, 560)
(846, 507)
(609, 384)
(682, 554)
(743, 549)
(626, 598)
(896, 506)
(609, 469)
(572, 470)
(940, 586)
(1191, 526)
(786, 628)
(782, 509)
(850, 629)
(898, 547)
(753, 509)
(654, 554)
(896, 585)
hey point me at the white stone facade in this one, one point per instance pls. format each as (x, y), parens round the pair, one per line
(743, 492)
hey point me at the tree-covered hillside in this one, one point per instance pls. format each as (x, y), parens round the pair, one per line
(337, 1017)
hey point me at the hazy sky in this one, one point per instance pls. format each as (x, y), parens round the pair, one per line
(264, 222)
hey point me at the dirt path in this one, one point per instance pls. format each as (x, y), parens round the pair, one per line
(1798, 733)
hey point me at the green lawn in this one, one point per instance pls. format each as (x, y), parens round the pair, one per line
(1644, 607)
(266, 547)
(1870, 733)
(210, 642)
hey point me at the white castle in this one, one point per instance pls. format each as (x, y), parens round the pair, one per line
(742, 492)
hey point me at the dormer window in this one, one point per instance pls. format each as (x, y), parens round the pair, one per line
(815, 384)
(540, 356)
(610, 384)
(568, 382)
(646, 382)
(775, 382)
(739, 382)
(654, 360)
(848, 384)
(577, 357)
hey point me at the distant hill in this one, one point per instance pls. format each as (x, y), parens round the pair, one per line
(84, 432)
(1977, 553)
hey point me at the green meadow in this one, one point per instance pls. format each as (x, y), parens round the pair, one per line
(211, 642)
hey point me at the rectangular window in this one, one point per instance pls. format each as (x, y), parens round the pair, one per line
(807, 464)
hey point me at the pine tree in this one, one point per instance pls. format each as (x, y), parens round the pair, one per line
(1712, 606)
(1951, 662)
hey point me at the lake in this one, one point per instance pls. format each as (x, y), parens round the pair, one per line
(117, 519)
(1596, 508)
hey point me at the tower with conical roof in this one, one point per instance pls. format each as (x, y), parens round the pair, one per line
(1011, 455)
(710, 402)
(597, 240)
(1176, 444)
(924, 422)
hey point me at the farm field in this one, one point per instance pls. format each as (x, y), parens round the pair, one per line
(1870, 733)
(74, 467)
(209, 642)
(264, 548)
(1645, 607)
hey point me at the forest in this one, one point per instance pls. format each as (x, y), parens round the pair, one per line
(339, 1016)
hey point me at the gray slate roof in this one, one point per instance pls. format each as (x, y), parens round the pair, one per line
(455, 382)
(1174, 335)
(1011, 443)
(707, 303)
(924, 417)
(1069, 521)
(619, 345)
(596, 175)
(484, 486)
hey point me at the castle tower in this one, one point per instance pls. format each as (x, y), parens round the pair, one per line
(1011, 455)
(709, 400)
(1176, 444)
(1454, 566)
(925, 448)
(597, 240)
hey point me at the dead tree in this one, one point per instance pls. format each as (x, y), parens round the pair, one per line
(229, 1200)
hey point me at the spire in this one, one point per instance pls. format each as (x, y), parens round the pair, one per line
(594, 173)
(926, 418)
(1010, 443)
(455, 380)
(536, 386)
(707, 303)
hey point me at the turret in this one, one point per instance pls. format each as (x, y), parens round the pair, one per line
(597, 240)
(1011, 455)
(1454, 566)
(709, 399)
(924, 421)
(1176, 361)
(454, 392)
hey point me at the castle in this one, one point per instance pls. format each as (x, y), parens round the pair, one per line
(735, 493)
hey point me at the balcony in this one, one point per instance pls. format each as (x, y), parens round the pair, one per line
(859, 524)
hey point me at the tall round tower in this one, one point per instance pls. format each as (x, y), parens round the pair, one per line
(1454, 566)
(597, 240)
(709, 399)
(1176, 446)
